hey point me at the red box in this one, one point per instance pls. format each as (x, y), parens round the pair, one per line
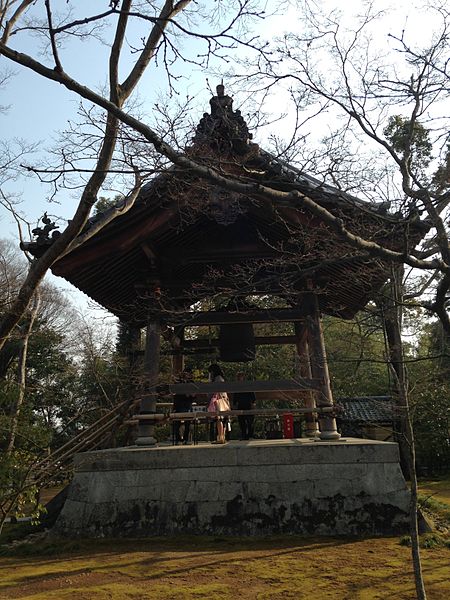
(288, 426)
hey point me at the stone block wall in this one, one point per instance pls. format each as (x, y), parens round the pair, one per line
(349, 487)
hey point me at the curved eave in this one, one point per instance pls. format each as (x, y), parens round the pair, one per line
(154, 240)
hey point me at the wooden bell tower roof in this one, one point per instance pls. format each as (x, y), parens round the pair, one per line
(186, 239)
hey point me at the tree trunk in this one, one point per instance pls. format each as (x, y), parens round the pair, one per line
(392, 304)
(21, 377)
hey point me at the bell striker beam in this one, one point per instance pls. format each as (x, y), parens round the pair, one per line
(319, 367)
(151, 373)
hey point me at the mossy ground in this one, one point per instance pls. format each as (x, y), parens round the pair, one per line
(185, 568)
(197, 568)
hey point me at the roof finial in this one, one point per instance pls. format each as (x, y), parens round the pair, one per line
(221, 103)
(224, 128)
(220, 89)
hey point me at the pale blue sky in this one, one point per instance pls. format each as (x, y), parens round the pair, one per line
(39, 108)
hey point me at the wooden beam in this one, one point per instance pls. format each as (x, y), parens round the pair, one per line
(151, 373)
(106, 245)
(148, 253)
(287, 397)
(319, 370)
(224, 256)
(301, 337)
(259, 341)
(191, 352)
(197, 416)
(277, 385)
(303, 369)
(177, 355)
(257, 412)
(273, 315)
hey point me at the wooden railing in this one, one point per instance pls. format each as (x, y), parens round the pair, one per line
(170, 417)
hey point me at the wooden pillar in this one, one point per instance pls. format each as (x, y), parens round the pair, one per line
(178, 357)
(304, 370)
(151, 373)
(319, 368)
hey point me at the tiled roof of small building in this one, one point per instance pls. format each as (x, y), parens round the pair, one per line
(374, 409)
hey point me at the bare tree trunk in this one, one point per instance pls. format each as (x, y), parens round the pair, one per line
(392, 318)
(21, 376)
(414, 528)
(391, 312)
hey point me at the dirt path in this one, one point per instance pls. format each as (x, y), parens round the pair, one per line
(199, 568)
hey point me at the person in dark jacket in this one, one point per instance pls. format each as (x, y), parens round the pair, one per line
(245, 401)
(182, 403)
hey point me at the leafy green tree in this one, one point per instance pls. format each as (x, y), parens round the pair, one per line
(411, 140)
(356, 356)
(104, 203)
(52, 381)
(430, 398)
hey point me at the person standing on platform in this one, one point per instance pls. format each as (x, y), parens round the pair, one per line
(182, 403)
(219, 402)
(245, 401)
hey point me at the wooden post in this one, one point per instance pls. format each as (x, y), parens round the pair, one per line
(151, 373)
(304, 370)
(132, 350)
(319, 368)
(178, 357)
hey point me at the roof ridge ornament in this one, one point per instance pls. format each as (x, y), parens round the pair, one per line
(43, 240)
(224, 130)
(221, 103)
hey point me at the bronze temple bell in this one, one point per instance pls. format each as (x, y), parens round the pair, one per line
(237, 340)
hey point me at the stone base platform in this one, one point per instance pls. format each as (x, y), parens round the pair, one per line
(259, 487)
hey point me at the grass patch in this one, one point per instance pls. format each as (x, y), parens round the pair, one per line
(434, 502)
(199, 568)
(438, 489)
(432, 540)
(435, 507)
(428, 540)
(405, 540)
